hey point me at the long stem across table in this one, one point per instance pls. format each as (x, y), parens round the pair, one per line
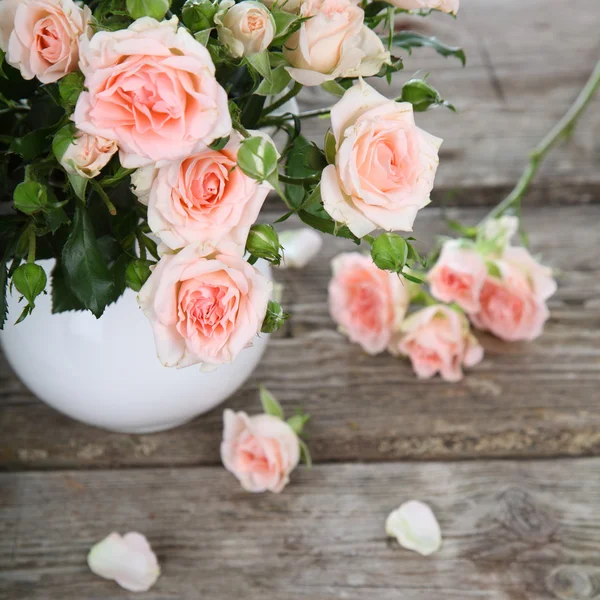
(560, 130)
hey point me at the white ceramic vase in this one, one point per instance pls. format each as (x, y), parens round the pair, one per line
(105, 372)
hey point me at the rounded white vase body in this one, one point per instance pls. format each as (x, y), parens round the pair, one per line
(105, 371)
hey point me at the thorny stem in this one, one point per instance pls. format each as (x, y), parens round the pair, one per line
(562, 129)
(100, 191)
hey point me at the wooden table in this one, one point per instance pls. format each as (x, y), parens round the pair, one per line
(508, 458)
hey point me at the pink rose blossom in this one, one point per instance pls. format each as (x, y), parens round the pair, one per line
(437, 340)
(205, 306)
(260, 451)
(385, 165)
(458, 276)
(333, 42)
(152, 88)
(513, 305)
(203, 198)
(367, 303)
(44, 41)
(449, 6)
(88, 155)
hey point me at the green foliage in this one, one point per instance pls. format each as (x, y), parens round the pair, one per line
(258, 158)
(198, 15)
(85, 271)
(270, 405)
(156, 9)
(422, 95)
(137, 274)
(411, 39)
(30, 197)
(69, 88)
(275, 317)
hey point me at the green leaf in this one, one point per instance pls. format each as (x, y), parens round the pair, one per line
(333, 87)
(260, 63)
(33, 144)
(30, 197)
(270, 404)
(493, 269)
(219, 143)
(63, 138)
(70, 87)
(274, 318)
(156, 9)
(30, 281)
(137, 274)
(376, 7)
(305, 453)
(63, 299)
(323, 222)
(330, 147)
(199, 15)
(297, 423)
(85, 270)
(4, 76)
(280, 79)
(422, 96)
(411, 39)
(79, 185)
(412, 278)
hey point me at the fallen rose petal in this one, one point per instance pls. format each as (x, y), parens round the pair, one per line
(415, 527)
(127, 559)
(300, 246)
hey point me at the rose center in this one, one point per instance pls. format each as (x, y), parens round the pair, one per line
(47, 40)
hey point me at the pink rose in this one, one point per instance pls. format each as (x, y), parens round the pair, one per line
(152, 88)
(458, 276)
(333, 42)
(8, 10)
(367, 303)
(384, 167)
(513, 305)
(437, 340)
(449, 6)
(205, 306)
(87, 155)
(204, 198)
(44, 42)
(245, 28)
(260, 451)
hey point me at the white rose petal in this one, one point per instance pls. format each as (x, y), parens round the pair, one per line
(127, 559)
(415, 527)
(300, 246)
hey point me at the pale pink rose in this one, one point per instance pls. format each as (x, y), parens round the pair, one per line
(367, 303)
(437, 339)
(87, 155)
(261, 451)
(245, 28)
(513, 305)
(458, 276)
(205, 306)
(384, 167)
(449, 6)
(152, 88)
(8, 10)
(204, 198)
(333, 42)
(44, 42)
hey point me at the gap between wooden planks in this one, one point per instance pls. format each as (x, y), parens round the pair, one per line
(512, 530)
(525, 400)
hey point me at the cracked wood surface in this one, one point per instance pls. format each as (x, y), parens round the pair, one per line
(512, 531)
(524, 400)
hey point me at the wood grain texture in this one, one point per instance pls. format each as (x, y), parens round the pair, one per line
(525, 400)
(512, 531)
(527, 62)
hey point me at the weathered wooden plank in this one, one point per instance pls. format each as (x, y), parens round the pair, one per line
(531, 400)
(512, 530)
(527, 62)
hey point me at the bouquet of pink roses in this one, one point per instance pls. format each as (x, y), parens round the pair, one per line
(133, 152)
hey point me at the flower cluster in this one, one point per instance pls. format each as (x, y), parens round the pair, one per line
(137, 156)
(499, 287)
